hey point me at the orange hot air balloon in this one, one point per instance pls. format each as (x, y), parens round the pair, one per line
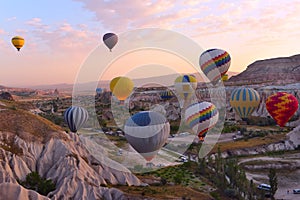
(282, 107)
(18, 42)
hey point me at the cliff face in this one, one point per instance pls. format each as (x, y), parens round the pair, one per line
(67, 163)
(278, 70)
(37, 145)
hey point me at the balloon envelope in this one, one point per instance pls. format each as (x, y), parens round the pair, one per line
(110, 40)
(244, 101)
(282, 107)
(75, 117)
(201, 117)
(214, 63)
(121, 87)
(185, 86)
(166, 94)
(18, 42)
(225, 77)
(99, 90)
(147, 132)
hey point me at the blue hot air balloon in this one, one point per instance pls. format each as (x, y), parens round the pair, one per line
(166, 94)
(147, 132)
(99, 90)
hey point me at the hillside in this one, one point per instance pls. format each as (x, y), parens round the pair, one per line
(276, 70)
(30, 143)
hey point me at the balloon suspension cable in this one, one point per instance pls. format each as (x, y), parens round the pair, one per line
(110, 50)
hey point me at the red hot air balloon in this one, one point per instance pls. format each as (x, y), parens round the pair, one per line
(282, 107)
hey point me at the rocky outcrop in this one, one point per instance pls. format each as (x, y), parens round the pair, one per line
(291, 143)
(6, 96)
(67, 162)
(277, 70)
(17, 192)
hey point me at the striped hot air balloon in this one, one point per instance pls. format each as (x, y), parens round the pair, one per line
(244, 101)
(214, 63)
(201, 117)
(147, 132)
(110, 40)
(75, 117)
(167, 94)
(282, 107)
(185, 86)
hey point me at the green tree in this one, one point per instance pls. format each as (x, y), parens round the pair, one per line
(273, 182)
(35, 182)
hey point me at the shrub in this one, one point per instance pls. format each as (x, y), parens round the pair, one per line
(230, 192)
(35, 182)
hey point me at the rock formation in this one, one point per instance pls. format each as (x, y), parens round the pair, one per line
(56, 155)
(6, 96)
(277, 70)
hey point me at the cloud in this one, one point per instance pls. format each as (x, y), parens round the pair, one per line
(2, 31)
(137, 14)
(11, 18)
(34, 22)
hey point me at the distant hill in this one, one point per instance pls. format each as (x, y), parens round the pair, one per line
(166, 80)
(276, 70)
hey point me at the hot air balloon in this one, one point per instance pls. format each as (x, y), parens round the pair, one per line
(214, 64)
(18, 42)
(99, 90)
(75, 117)
(147, 132)
(244, 101)
(185, 86)
(282, 107)
(121, 87)
(225, 77)
(201, 117)
(166, 94)
(110, 40)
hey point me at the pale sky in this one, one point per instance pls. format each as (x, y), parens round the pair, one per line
(60, 35)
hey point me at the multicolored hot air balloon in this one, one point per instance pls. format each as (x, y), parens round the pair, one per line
(75, 117)
(147, 132)
(282, 107)
(201, 117)
(110, 40)
(244, 101)
(121, 87)
(18, 42)
(185, 86)
(214, 64)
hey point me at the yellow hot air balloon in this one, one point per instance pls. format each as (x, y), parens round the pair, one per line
(244, 101)
(18, 42)
(225, 77)
(121, 87)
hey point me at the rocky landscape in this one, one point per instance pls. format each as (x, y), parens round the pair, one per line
(61, 157)
(30, 143)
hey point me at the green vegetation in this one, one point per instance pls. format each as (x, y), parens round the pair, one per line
(35, 182)
(273, 182)
(230, 128)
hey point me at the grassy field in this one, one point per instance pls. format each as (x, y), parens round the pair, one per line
(248, 143)
(164, 193)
